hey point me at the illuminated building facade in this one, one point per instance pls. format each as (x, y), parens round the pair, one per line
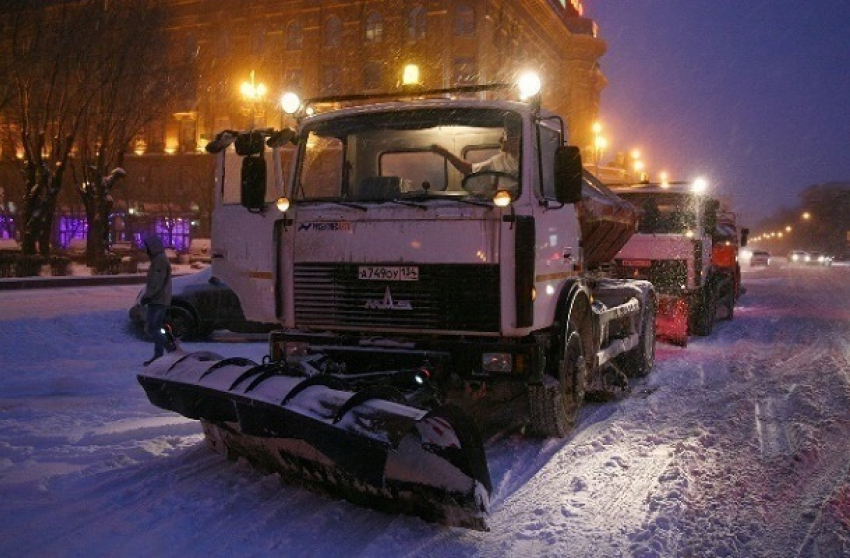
(248, 52)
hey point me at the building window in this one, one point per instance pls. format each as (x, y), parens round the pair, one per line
(465, 71)
(294, 36)
(331, 80)
(374, 28)
(372, 73)
(258, 40)
(416, 24)
(464, 21)
(333, 32)
(292, 79)
(223, 44)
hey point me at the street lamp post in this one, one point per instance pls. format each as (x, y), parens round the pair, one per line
(253, 93)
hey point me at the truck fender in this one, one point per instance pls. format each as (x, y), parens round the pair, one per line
(573, 310)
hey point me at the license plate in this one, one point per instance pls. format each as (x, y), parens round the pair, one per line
(388, 273)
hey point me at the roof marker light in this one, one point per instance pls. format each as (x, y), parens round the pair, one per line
(529, 85)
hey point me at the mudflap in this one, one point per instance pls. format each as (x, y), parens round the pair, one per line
(671, 320)
(366, 445)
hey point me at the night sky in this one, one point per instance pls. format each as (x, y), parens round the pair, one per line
(753, 95)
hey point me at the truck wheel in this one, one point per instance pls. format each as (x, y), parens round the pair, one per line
(554, 404)
(706, 310)
(639, 361)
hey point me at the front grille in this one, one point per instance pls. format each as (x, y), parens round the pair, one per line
(668, 276)
(449, 297)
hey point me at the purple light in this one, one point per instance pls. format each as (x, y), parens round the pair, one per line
(71, 228)
(175, 233)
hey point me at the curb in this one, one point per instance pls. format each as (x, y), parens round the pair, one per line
(80, 281)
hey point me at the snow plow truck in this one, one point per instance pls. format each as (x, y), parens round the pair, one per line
(688, 249)
(421, 307)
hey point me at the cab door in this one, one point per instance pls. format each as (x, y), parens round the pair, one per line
(242, 239)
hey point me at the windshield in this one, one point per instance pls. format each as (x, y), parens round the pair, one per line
(402, 154)
(664, 213)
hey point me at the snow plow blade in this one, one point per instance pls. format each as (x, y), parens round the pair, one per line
(671, 321)
(354, 437)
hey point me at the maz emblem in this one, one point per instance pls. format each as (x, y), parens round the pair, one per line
(388, 303)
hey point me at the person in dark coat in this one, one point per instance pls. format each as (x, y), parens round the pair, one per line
(157, 295)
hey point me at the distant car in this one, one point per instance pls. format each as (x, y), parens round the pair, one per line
(798, 257)
(819, 258)
(200, 304)
(760, 258)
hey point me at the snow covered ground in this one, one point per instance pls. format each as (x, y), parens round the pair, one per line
(738, 445)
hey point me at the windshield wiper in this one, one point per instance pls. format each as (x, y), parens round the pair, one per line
(337, 202)
(409, 203)
(460, 199)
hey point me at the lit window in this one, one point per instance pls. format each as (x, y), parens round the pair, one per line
(374, 28)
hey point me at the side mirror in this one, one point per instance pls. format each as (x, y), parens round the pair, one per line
(282, 137)
(745, 234)
(253, 183)
(568, 174)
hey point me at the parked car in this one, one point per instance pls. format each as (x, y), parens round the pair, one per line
(200, 304)
(760, 258)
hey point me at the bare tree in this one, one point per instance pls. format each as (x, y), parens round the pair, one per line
(89, 76)
(47, 104)
(138, 78)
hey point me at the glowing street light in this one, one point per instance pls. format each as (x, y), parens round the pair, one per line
(599, 144)
(253, 93)
(410, 76)
(806, 216)
(699, 186)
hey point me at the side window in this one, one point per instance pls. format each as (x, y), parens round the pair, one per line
(550, 140)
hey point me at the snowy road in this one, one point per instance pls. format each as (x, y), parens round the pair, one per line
(738, 445)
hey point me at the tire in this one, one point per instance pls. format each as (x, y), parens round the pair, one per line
(730, 307)
(638, 362)
(554, 404)
(183, 323)
(705, 312)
